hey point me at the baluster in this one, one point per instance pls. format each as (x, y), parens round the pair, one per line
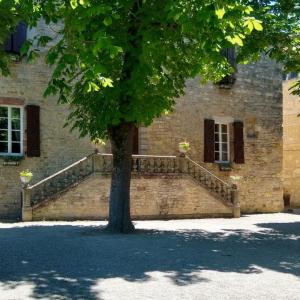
(104, 164)
(154, 165)
(223, 191)
(212, 184)
(142, 165)
(206, 181)
(202, 177)
(174, 166)
(217, 187)
(229, 195)
(147, 166)
(162, 166)
(132, 164)
(110, 164)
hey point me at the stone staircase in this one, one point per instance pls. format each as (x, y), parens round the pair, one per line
(56, 185)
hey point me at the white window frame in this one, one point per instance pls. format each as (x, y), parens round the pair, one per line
(219, 124)
(10, 153)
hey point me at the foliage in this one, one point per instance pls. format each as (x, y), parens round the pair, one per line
(184, 146)
(26, 173)
(127, 61)
(280, 38)
(13, 158)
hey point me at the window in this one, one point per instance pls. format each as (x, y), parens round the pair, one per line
(11, 130)
(16, 39)
(228, 81)
(221, 142)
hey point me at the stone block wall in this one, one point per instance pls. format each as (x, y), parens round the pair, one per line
(255, 99)
(59, 147)
(291, 145)
(152, 197)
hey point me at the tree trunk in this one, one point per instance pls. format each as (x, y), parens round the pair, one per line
(121, 138)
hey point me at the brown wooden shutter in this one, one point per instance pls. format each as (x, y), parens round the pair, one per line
(229, 80)
(135, 148)
(238, 129)
(19, 37)
(16, 39)
(33, 131)
(209, 141)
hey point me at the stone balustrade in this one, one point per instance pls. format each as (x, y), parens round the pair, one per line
(63, 180)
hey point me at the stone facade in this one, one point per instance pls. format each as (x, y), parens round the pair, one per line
(152, 197)
(256, 100)
(59, 147)
(291, 146)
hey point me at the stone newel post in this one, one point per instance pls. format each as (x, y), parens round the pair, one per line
(182, 164)
(26, 205)
(235, 201)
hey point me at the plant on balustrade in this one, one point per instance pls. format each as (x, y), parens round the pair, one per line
(235, 179)
(26, 177)
(184, 147)
(120, 64)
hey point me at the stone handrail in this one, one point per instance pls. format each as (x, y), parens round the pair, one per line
(61, 181)
(213, 183)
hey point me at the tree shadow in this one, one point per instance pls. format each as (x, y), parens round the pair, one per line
(66, 261)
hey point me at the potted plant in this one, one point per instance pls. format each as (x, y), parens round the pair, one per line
(184, 147)
(26, 177)
(234, 179)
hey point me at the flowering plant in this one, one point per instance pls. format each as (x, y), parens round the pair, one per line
(184, 147)
(26, 173)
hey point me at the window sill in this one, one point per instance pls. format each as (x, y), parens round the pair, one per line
(224, 167)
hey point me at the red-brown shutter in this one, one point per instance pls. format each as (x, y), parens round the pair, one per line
(238, 129)
(209, 141)
(33, 131)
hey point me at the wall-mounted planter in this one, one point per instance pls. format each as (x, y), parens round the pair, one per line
(12, 160)
(11, 163)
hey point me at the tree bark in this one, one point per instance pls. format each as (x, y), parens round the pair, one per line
(121, 138)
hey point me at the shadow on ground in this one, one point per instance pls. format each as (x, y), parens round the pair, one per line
(66, 261)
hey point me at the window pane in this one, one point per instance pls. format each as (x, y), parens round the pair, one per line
(15, 124)
(15, 113)
(216, 127)
(3, 123)
(3, 147)
(16, 148)
(224, 128)
(3, 135)
(225, 147)
(225, 156)
(217, 156)
(3, 112)
(217, 146)
(224, 138)
(216, 138)
(16, 136)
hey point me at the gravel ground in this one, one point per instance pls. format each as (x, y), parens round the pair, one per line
(254, 257)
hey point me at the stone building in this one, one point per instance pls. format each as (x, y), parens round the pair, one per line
(234, 132)
(291, 146)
